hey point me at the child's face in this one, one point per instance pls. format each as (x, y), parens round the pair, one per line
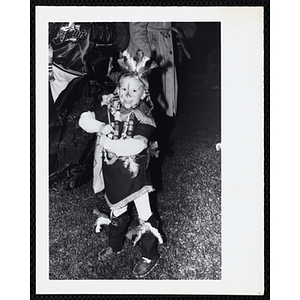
(131, 91)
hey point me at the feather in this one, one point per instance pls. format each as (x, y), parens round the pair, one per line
(136, 65)
(140, 230)
(133, 167)
(130, 164)
(102, 219)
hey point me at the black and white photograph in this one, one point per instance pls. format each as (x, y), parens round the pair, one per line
(177, 108)
(149, 150)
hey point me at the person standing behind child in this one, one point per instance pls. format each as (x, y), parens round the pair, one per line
(159, 42)
(156, 38)
(124, 125)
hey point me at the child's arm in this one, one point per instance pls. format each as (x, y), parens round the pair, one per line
(130, 146)
(126, 147)
(89, 123)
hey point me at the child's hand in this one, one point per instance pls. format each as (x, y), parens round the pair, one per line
(106, 99)
(106, 129)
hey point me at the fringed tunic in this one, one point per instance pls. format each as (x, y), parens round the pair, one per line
(121, 185)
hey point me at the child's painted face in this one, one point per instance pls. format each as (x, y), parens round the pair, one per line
(131, 91)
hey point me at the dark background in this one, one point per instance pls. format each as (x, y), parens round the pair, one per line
(207, 37)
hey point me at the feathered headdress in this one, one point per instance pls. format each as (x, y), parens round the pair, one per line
(139, 66)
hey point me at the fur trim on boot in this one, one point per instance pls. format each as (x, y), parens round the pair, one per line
(135, 234)
(102, 219)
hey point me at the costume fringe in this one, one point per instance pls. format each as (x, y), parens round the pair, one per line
(131, 197)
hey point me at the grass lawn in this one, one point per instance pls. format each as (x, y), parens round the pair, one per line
(188, 205)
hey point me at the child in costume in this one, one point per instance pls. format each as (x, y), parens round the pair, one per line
(124, 125)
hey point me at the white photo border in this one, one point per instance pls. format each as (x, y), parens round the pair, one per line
(242, 149)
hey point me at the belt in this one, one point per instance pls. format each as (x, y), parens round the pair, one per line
(180, 39)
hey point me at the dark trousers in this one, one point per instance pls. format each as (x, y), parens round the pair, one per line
(149, 241)
(117, 231)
